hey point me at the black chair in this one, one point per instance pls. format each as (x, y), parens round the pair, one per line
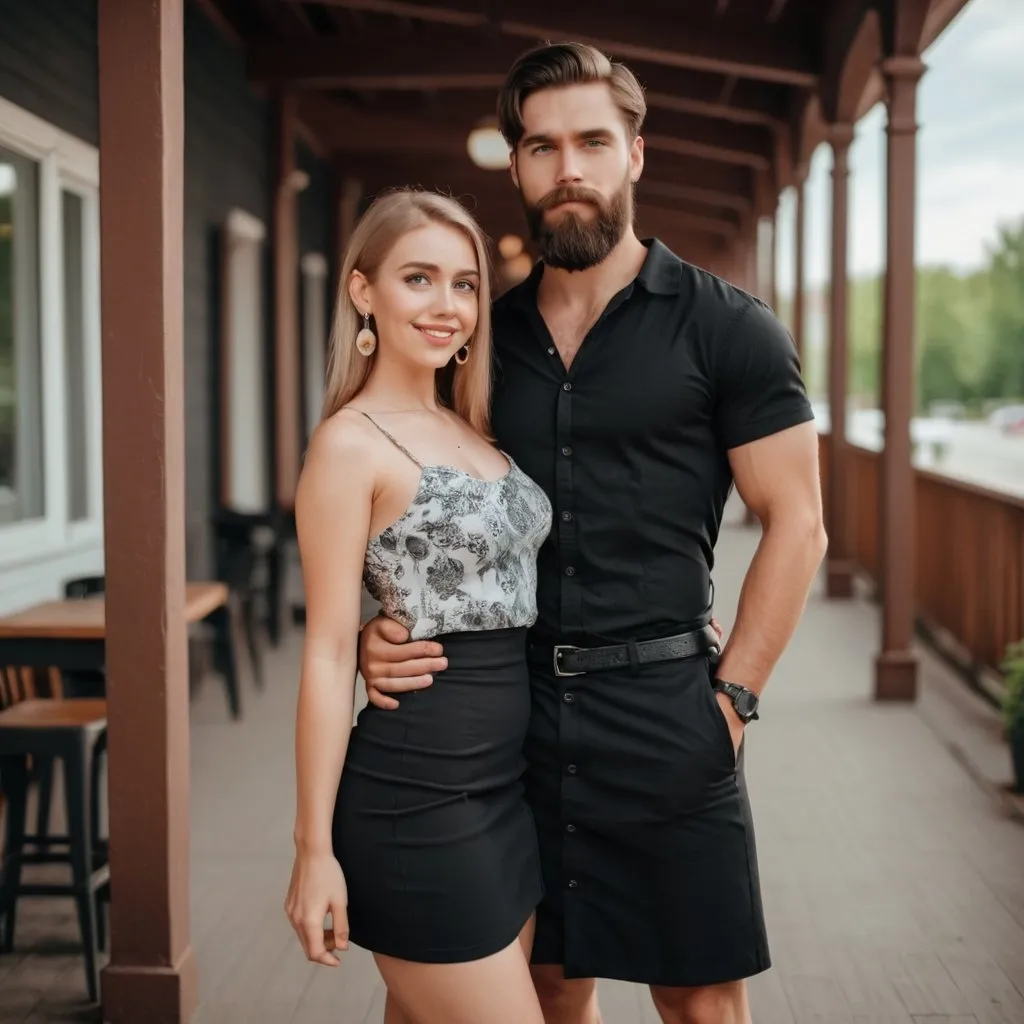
(250, 570)
(77, 684)
(43, 729)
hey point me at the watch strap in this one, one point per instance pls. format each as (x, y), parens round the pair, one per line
(733, 691)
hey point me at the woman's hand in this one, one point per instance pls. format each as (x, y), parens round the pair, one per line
(318, 887)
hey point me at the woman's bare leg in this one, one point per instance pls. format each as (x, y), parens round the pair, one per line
(496, 989)
(394, 1014)
(526, 936)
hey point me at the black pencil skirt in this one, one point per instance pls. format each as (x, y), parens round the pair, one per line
(431, 829)
(644, 828)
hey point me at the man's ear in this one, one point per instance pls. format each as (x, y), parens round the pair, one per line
(513, 170)
(636, 159)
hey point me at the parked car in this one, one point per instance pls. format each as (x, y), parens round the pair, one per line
(1009, 419)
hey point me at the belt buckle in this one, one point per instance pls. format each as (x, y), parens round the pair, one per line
(557, 651)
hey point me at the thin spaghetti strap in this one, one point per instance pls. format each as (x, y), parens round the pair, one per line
(401, 447)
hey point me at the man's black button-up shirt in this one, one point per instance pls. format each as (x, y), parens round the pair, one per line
(631, 442)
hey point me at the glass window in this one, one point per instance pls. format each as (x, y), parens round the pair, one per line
(21, 391)
(75, 356)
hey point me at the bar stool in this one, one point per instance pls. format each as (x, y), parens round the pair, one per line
(42, 729)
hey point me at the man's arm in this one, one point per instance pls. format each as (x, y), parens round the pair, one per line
(392, 664)
(778, 479)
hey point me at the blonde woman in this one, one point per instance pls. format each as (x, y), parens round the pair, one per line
(412, 832)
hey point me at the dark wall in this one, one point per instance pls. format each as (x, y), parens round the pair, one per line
(227, 165)
(316, 227)
(49, 66)
(48, 62)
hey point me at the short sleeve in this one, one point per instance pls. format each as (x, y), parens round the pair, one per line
(758, 386)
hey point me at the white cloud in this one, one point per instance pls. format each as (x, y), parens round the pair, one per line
(970, 154)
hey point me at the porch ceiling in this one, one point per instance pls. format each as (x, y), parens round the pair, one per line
(383, 84)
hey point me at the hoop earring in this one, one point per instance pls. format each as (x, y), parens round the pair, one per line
(462, 356)
(366, 340)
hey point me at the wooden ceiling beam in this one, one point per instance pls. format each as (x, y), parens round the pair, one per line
(709, 139)
(326, 63)
(476, 187)
(218, 18)
(285, 19)
(375, 128)
(767, 55)
(345, 129)
(693, 194)
(479, 61)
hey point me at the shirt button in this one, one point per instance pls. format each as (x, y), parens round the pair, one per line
(551, 351)
(573, 883)
(570, 828)
(567, 450)
(571, 769)
(567, 386)
(570, 571)
(566, 517)
(568, 698)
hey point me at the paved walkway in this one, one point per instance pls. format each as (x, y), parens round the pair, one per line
(893, 880)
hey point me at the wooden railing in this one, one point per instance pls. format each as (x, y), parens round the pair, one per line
(969, 560)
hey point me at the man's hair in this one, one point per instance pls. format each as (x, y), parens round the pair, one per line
(561, 64)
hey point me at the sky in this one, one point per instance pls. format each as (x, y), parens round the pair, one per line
(970, 155)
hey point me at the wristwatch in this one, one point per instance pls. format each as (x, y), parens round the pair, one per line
(743, 700)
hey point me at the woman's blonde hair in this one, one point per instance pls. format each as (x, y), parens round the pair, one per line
(466, 388)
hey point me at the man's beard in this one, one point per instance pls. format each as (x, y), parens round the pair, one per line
(574, 242)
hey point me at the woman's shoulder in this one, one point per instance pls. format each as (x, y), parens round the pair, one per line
(342, 440)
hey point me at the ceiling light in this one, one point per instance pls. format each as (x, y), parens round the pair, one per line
(487, 147)
(510, 246)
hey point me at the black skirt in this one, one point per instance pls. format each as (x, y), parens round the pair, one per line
(437, 844)
(644, 827)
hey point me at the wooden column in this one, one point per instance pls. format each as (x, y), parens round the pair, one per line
(896, 666)
(800, 273)
(287, 433)
(152, 972)
(749, 261)
(839, 575)
(348, 195)
(772, 298)
(750, 269)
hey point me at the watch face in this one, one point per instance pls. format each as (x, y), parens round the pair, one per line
(746, 704)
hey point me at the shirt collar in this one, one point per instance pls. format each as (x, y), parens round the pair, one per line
(661, 274)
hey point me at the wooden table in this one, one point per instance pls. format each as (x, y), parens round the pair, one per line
(70, 635)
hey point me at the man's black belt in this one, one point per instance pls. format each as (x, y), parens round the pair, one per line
(569, 660)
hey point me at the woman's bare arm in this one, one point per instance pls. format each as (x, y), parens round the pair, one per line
(332, 512)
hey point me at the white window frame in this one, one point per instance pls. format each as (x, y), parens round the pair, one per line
(248, 401)
(65, 163)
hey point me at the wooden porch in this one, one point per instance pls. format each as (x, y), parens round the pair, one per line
(889, 856)
(893, 882)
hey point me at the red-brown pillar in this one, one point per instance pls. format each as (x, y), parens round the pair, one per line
(896, 667)
(750, 270)
(750, 240)
(348, 194)
(839, 573)
(800, 272)
(152, 972)
(287, 451)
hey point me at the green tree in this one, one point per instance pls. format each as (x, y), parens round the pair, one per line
(947, 364)
(865, 337)
(1003, 374)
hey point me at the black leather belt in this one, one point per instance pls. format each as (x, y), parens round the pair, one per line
(568, 660)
